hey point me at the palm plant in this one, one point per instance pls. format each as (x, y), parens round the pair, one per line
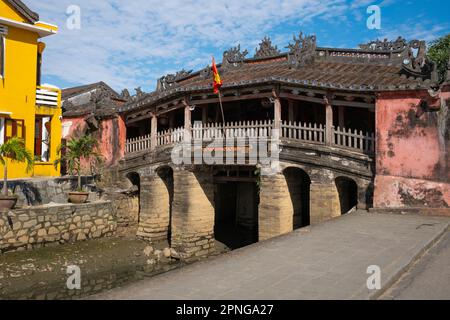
(76, 150)
(14, 150)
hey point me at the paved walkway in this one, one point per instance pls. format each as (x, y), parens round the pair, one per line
(327, 261)
(428, 279)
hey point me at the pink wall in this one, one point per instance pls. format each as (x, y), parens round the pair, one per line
(111, 137)
(411, 162)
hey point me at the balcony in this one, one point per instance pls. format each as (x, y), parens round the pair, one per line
(48, 97)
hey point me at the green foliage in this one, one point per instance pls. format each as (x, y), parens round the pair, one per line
(76, 150)
(439, 52)
(14, 150)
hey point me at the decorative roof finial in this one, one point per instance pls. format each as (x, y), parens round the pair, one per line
(303, 51)
(266, 49)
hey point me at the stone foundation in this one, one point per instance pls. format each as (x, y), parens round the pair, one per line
(276, 211)
(37, 227)
(155, 209)
(193, 214)
(324, 203)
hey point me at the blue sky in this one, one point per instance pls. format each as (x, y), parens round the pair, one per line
(134, 42)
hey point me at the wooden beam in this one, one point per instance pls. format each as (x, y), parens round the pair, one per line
(301, 98)
(354, 104)
(234, 98)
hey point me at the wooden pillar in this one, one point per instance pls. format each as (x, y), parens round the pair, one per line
(341, 117)
(171, 120)
(329, 130)
(154, 131)
(205, 114)
(291, 111)
(277, 110)
(187, 117)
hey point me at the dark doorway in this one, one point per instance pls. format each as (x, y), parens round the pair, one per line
(236, 205)
(299, 185)
(348, 193)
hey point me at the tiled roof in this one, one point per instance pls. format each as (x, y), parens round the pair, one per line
(24, 10)
(362, 70)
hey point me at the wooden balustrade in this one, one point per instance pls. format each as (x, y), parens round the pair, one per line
(303, 131)
(354, 139)
(314, 133)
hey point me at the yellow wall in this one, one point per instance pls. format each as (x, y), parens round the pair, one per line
(18, 93)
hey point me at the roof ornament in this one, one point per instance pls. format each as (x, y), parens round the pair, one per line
(125, 95)
(378, 45)
(303, 51)
(206, 73)
(266, 49)
(170, 80)
(233, 57)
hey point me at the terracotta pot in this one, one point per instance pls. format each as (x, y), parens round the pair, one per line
(78, 197)
(7, 202)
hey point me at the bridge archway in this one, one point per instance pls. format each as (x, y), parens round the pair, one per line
(348, 193)
(236, 201)
(299, 185)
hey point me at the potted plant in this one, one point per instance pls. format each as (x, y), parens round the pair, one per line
(12, 150)
(76, 150)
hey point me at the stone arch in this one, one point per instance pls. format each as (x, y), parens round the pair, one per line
(348, 193)
(299, 185)
(131, 210)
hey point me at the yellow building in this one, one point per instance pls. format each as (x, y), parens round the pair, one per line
(27, 109)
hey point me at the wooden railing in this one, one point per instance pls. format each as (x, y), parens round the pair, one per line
(238, 129)
(355, 140)
(138, 144)
(170, 136)
(49, 97)
(303, 131)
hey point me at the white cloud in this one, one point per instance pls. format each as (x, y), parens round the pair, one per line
(131, 43)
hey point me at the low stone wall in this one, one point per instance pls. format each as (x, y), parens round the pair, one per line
(36, 227)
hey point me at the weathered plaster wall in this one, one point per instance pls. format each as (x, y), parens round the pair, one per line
(111, 136)
(412, 164)
(36, 227)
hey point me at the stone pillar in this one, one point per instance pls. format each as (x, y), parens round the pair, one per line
(329, 121)
(154, 216)
(276, 212)
(193, 214)
(324, 201)
(154, 132)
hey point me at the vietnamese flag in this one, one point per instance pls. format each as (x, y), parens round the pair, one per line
(217, 81)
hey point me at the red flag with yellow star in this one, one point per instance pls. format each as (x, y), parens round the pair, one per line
(217, 81)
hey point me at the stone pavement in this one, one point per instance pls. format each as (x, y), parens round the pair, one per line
(428, 279)
(326, 261)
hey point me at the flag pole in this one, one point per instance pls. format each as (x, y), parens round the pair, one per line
(223, 115)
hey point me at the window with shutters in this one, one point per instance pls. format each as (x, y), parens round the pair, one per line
(14, 128)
